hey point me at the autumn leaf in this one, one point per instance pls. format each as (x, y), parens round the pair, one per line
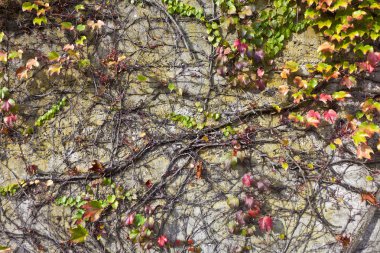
(95, 25)
(285, 73)
(266, 223)
(93, 210)
(326, 47)
(5, 249)
(54, 69)
(247, 180)
(78, 234)
(97, 167)
(364, 151)
(283, 89)
(260, 72)
(198, 170)
(22, 73)
(162, 240)
(330, 116)
(348, 81)
(299, 82)
(32, 63)
(369, 197)
(325, 97)
(340, 95)
(343, 239)
(312, 118)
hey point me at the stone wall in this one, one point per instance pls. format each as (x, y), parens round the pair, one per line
(125, 124)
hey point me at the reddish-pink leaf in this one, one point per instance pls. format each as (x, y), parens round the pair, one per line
(10, 120)
(241, 47)
(7, 105)
(260, 72)
(373, 58)
(330, 116)
(266, 223)
(162, 240)
(313, 118)
(130, 219)
(247, 179)
(325, 97)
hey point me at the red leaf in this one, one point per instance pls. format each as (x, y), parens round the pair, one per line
(162, 240)
(266, 223)
(254, 212)
(260, 72)
(330, 116)
(93, 210)
(373, 58)
(130, 219)
(325, 97)
(312, 118)
(247, 179)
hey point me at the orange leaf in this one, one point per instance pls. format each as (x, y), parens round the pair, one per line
(326, 48)
(364, 151)
(285, 73)
(199, 169)
(369, 197)
(22, 73)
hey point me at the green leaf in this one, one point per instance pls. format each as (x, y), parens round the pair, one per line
(28, 6)
(81, 40)
(1, 36)
(79, 7)
(39, 20)
(111, 199)
(78, 234)
(66, 25)
(52, 56)
(171, 86)
(369, 178)
(292, 66)
(139, 220)
(81, 27)
(84, 63)
(142, 78)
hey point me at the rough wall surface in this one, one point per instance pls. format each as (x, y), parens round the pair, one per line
(126, 125)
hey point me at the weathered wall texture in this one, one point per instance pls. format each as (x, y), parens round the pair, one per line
(126, 126)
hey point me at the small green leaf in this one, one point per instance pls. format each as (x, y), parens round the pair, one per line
(52, 56)
(369, 178)
(142, 78)
(1, 36)
(139, 220)
(39, 20)
(171, 86)
(81, 27)
(78, 234)
(79, 7)
(66, 25)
